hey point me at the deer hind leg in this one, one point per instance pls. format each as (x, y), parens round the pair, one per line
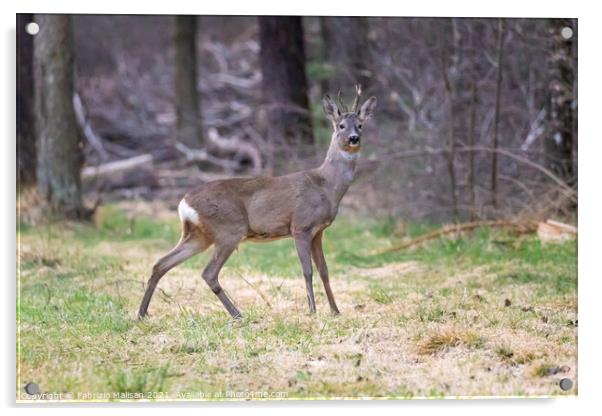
(211, 273)
(190, 244)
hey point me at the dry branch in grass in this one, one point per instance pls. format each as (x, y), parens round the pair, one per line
(256, 289)
(564, 227)
(554, 231)
(519, 226)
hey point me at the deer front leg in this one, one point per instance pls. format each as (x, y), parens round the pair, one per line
(303, 245)
(211, 272)
(318, 256)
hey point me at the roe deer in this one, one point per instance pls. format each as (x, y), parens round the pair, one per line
(300, 205)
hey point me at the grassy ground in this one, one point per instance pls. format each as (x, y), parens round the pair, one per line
(485, 314)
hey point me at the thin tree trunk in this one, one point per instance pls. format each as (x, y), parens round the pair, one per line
(496, 118)
(189, 129)
(59, 148)
(325, 55)
(347, 50)
(559, 142)
(451, 131)
(26, 140)
(471, 127)
(284, 84)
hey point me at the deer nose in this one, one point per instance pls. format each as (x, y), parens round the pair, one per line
(354, 139)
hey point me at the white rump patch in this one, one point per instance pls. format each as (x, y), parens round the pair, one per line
(187, 213)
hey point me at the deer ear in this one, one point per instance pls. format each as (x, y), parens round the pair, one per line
(330, 108)
(367, 109)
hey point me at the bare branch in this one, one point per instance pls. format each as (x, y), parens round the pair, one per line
(91, 172)
(201, 155)
(344, 108)
(80, 115)
(536, 130)
(237, 145)
(570, 192)
(356, 101)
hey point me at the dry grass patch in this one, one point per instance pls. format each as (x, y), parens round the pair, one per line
(393, 270)
(520, 353)
(447, 337)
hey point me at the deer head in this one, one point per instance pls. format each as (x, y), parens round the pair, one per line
(347, 123)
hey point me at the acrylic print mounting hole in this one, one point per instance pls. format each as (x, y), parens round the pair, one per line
(566, 32)
(32, 28)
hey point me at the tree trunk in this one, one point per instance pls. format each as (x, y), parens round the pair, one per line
(26, 139)
(496, 118)
(325, 56)
(59, 149)
(284, 82)
(471, 127)
(185, 77)
(449, 98)
(559, 142)
(346, 40)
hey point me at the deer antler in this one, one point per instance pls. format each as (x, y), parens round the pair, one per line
(344, 108)
(358, 91)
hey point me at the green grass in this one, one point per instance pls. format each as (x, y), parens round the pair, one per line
(380, 295)
(439, 311)
(140, 380)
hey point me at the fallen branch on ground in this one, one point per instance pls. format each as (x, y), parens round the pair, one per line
(234, 144)
(201, 155)
(555, 232)
(520, 226)
(91, 172)
(571, 229)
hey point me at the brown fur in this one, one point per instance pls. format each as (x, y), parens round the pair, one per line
(264, 207)
(300, 205)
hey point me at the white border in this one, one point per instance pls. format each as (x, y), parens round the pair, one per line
(590, 212)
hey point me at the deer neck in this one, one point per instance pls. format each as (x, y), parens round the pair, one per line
(338, 169)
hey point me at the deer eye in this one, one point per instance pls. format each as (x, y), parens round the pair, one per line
(341, 126)
(359, 126)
